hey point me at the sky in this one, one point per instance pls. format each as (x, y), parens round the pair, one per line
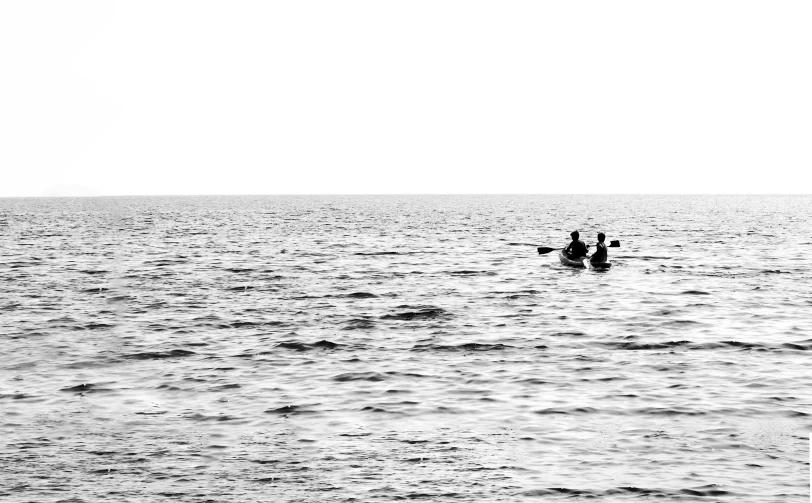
(389, 97)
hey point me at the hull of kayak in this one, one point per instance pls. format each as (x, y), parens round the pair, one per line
(582, 262)
(571, 263)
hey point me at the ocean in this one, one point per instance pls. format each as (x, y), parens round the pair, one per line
(387, 348)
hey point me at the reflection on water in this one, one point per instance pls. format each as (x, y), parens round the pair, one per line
(404, 348)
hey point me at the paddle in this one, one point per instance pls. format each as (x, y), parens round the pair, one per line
(543, 250)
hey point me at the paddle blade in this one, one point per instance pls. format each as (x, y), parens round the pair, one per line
(614, 244)
(543, 250)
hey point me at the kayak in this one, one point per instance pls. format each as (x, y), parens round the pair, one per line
(582, 262)
(569, 262)
(600, 265)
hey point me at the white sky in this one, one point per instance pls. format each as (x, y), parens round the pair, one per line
(382, 96)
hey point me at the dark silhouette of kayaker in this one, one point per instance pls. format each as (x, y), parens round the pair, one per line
(601, 253)
(576, 249)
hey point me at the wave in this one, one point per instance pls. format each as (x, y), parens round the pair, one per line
(303, 346)
(165, 262)
(97, 289)
(360, 295)
(666, 411)
(472, 273)
(360, 376)
(86, 388)
(96, 326)
(569, 334)
(422, 313)
(14, 396)
(698, 346)
(359, 324)
(708, 490)
(636, 346)
(565, 410)
(243, 288)
(198, 417)
(469, 346)
(159, 355)
(797, 347)
(294, 409)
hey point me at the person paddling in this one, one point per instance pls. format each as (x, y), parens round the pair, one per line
(576, 249)
(601, 253)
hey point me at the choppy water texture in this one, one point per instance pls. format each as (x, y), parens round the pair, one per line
(404, 348)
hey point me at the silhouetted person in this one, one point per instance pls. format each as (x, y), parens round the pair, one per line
(601, 253)
(576, 249)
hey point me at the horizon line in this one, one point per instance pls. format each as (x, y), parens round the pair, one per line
(393, 194)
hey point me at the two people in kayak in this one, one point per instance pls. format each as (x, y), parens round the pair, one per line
(578, 250)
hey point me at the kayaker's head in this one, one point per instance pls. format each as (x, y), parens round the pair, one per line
(575, 235)
(601, 237)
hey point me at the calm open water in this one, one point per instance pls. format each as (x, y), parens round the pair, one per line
(404, 348)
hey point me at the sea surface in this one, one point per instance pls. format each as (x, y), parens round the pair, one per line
(397, 348)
